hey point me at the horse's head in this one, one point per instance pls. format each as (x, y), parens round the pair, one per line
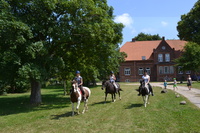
(142, 83)
(74, 86)
(103, 84)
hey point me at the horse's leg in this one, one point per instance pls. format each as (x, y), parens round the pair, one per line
(146, 100)
(85, 106)
(114, 97)
(105, 97)
(72, 109)
(77, 107)
(119, 95)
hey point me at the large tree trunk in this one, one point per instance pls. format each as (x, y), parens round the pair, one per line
(65, 91)
(35, 98)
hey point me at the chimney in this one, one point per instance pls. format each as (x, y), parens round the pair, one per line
(163, 38)
(133, 40)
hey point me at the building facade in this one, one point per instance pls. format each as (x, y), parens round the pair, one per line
(157, 57)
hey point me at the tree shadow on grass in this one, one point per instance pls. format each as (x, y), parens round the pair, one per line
(21, 103)
(133, 106)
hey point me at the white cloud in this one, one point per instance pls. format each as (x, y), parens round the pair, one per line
(164, 24)
(125, 19)
(148, 30)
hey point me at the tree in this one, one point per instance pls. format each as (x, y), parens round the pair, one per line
(147, 37)
(14, 36)
(64, 36)
(190, 59)
(189, 25)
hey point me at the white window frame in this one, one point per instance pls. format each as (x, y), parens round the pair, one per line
(140, 71)
(171, 69)
(166, 68)
(160, 57)
(127, 80)
(148, 70)
(143, 57)
(161, 70)
(127, 71)
(188, 72)
(179, 71)
(167, 57)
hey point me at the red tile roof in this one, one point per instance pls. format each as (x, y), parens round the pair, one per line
(135, 50)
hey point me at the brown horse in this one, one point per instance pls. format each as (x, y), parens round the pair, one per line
(109, 88)
(77, 97)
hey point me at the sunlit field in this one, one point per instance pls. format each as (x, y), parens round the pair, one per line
(164, 114)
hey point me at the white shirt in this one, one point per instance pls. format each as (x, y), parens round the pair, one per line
(146, 78)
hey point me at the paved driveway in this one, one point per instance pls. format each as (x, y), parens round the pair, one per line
(193, 95)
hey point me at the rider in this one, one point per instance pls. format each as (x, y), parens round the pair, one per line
(112, 80)
(146, 79)
(79, 81)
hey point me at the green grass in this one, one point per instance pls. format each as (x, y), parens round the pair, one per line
(164, 114)
(194, 84)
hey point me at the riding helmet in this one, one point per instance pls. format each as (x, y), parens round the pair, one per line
(77, 72)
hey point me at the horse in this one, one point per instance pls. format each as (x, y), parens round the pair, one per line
(76, 96)
(109, 88)
(144, 91)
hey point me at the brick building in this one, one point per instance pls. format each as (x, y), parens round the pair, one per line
(154, 56)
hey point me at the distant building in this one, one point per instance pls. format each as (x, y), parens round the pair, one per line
(154, 56)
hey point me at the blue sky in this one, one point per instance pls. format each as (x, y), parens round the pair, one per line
(150, 16)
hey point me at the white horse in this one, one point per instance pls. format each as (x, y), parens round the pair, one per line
(144, 90)
(76, 96)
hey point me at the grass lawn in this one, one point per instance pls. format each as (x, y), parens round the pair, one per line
(195, 84)
(164, 114)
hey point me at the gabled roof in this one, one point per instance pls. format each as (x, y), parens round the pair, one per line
(135, 50)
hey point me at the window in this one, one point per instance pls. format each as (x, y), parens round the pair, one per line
(188, 72)
(171, 69)
(180, 70)
(160, 70)
(148, 70)
(127, 71)
(166, 69)
(143, 57)
(127, 80)
(160, 58)
(167, 57)
(140, 71)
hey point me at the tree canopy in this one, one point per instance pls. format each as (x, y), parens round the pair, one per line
(147, 37)
(189, 60)
(43, 38)
(189, 30)
(189, 25)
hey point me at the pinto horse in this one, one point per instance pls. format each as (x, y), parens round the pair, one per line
(109, 88)
(144, 91)
(76, 96)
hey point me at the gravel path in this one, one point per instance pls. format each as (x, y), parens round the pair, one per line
(193, 95)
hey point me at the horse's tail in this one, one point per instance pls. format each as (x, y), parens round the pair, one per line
(120, 89)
